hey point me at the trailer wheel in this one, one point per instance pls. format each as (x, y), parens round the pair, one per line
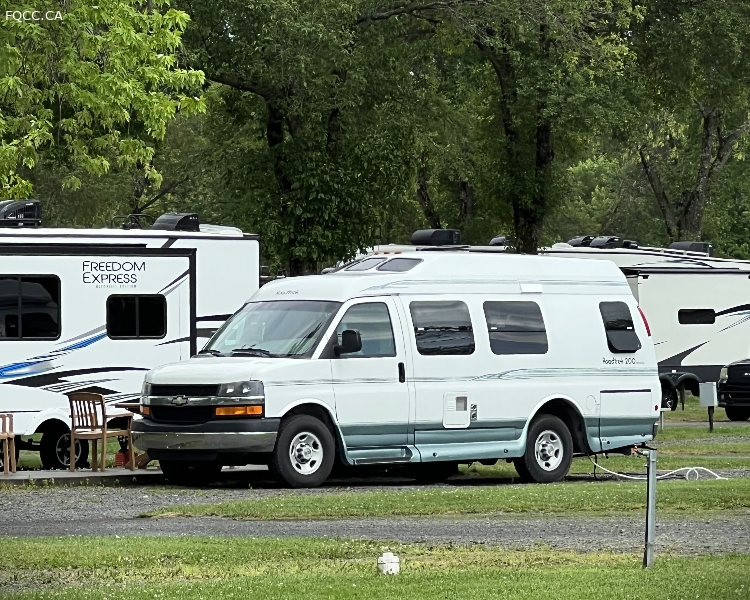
(549, 450)
(737, 413)
(669, 398)
(304, 453)
(182, 472)
(54, 450)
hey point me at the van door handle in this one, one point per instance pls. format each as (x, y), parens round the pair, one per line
(401, 373)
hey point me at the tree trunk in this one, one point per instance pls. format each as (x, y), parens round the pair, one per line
(683, 217)
(466, 202)
(425, 201)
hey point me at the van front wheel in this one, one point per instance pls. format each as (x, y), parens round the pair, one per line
(304, 453)
(549, 451)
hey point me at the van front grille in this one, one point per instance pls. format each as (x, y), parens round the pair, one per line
(182, 414)
(189, 391)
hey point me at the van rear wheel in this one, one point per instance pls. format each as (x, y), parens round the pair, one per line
(549, 451)
(304, 453)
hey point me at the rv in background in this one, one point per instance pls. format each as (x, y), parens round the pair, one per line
(94, 309)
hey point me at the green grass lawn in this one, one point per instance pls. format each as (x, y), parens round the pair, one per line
(200, 568)
(610, 497)
(694, 411)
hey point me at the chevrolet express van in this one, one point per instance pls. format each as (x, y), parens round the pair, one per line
(424, 359)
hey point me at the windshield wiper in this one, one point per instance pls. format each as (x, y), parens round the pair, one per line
(211, 351)
(250, 352)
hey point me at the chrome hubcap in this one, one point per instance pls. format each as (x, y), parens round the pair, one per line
(306, 453)
(548, 450)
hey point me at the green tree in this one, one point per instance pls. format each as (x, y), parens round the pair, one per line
(690, 97)
(90, 90)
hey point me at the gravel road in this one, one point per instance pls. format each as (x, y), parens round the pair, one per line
(113, 511)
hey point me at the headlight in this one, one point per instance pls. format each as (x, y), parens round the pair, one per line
(723, 374)
(242, 389)
(145, 392)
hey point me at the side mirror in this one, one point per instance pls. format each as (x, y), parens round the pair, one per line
(350, 342)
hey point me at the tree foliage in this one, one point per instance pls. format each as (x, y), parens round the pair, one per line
(331, 125)
(89, 90)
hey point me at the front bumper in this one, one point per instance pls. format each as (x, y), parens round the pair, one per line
(235, 436)
(733, 394)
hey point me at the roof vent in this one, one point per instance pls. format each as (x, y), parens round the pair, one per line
(502, 240)
(606, 241)
(436, 237)
(581, 240)
(20, 213)
(704, 247)
(177, 222)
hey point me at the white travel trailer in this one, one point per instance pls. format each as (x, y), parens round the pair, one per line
(424, 359)
(94, 310)
(698, 307)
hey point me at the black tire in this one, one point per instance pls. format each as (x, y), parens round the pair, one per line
(304, 453)
(2, 455)
(183, 472)
(523, 472)
(54, 450)
(669, 398)
(549, 450)
(429, 473)
(737, 413)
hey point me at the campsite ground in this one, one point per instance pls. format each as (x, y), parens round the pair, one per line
(481, 535)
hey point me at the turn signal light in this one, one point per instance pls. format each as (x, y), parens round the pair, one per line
(238, 411)
(145, 410)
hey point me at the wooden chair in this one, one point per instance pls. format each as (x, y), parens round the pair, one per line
(88, 417)
(9, 443)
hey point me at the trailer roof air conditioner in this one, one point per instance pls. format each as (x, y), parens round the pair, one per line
(20, 213)
(693, 247)
(177, 222)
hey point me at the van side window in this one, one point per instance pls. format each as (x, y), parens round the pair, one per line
(515, 327)
(374, 325)
(29, 307)
(696, 316)
(442, 327)
(132, 317)
(618, 323)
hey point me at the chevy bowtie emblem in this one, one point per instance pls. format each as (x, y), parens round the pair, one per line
(179, 400)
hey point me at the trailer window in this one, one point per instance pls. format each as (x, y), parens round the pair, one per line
(134, 317)
(442, 328)
(696, 316)
(618, 324)
(29, 307)
(515, 327)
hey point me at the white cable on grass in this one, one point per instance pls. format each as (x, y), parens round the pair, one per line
(688, 471)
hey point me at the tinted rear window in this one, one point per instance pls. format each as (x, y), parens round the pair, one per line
(618, 325)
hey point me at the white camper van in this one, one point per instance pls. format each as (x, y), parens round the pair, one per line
(94, 310)
(426, 359)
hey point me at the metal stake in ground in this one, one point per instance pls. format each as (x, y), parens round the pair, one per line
(648, 552)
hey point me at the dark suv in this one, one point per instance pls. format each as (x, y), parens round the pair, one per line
(733, 390)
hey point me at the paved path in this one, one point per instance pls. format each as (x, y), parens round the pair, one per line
(113, 511)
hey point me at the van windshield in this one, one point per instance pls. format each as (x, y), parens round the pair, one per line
(290, 328)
